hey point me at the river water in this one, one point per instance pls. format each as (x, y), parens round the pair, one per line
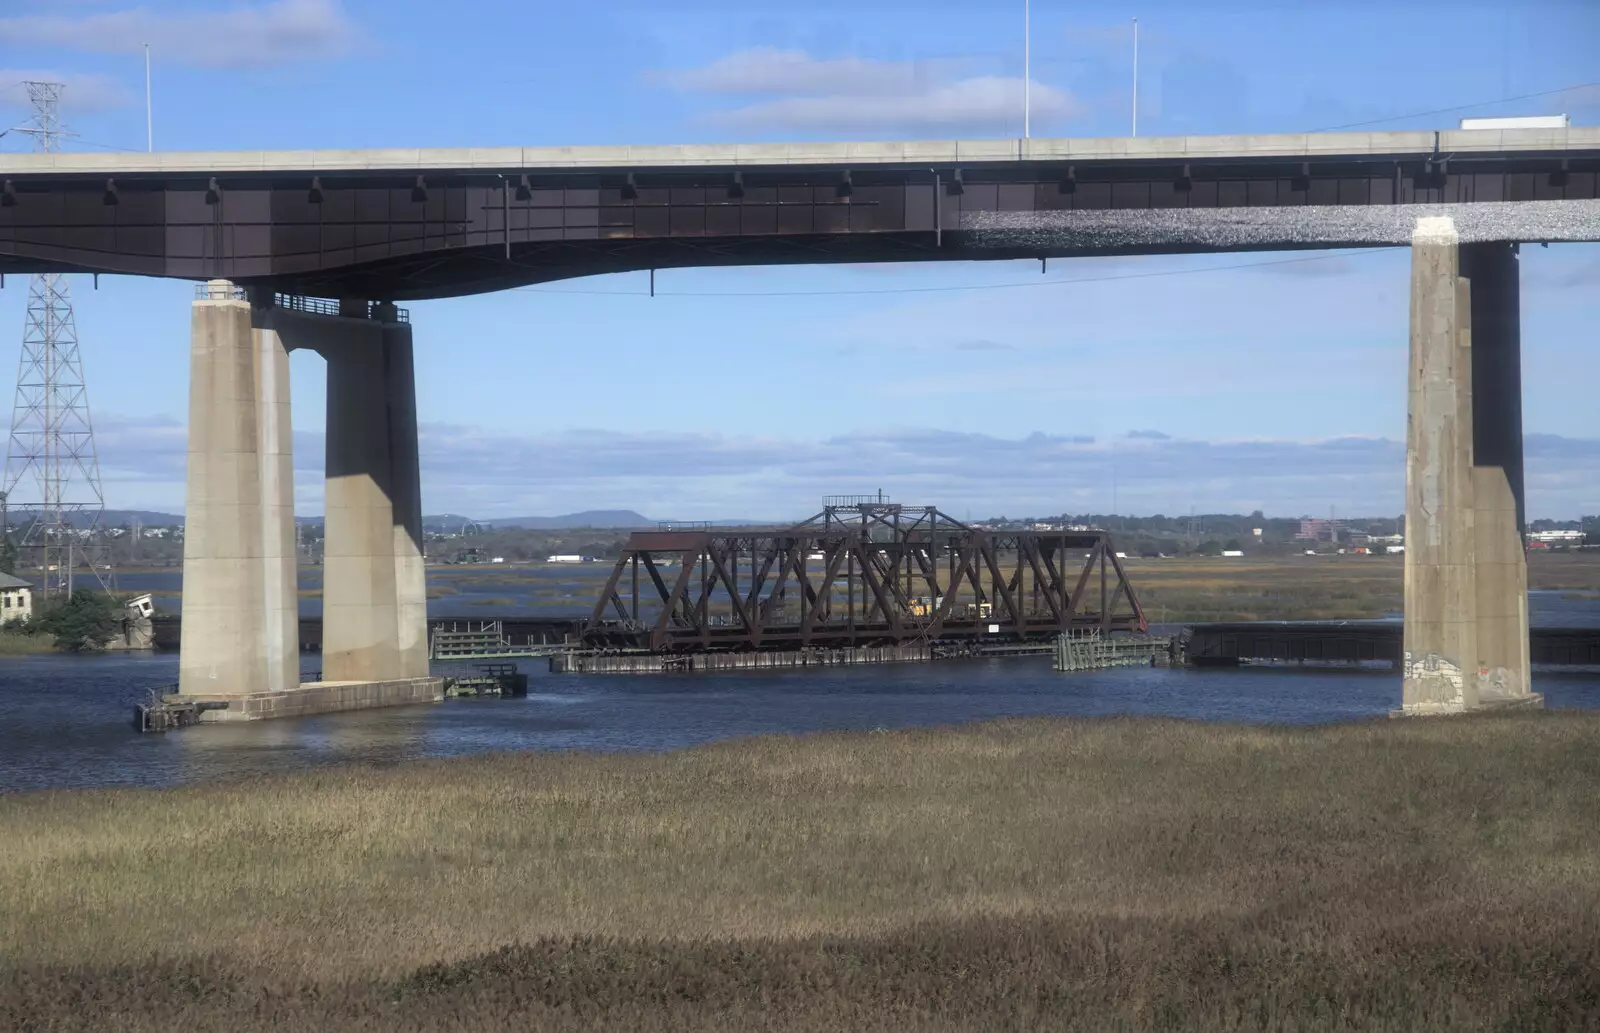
(65, 721)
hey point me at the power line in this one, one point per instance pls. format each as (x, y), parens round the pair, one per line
(1321, 257)
(1458, 107)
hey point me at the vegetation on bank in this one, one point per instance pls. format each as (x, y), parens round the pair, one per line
(82, 623)
(23, 641)
(1048, 874)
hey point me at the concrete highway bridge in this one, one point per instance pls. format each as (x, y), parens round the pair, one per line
(268, 231)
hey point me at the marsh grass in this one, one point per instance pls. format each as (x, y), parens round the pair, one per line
(1115, 874)
(1308, 588)
(1579, 571)
(14, 643)
(1285, 588)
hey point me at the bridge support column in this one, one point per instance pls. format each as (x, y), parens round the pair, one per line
(240, 607)
(410, 576)
(1493, 274)
(1466, 622)
(374, 603)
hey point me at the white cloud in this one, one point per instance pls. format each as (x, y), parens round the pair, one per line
(272, 33)
(851, 94)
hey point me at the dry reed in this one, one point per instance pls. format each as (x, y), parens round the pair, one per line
(1117, 874)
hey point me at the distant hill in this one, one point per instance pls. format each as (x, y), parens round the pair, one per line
(597, 518)
(446, 522)
(601, 518)
(605, 519)
(146, 518)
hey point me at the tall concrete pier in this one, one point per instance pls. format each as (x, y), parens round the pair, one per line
(374, 598)
(1466, 608)
(240, 600)
(239, 590)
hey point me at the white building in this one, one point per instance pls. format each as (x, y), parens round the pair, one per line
(16, 599)
(1557, 537)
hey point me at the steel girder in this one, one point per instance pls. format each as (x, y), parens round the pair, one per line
(877, 574)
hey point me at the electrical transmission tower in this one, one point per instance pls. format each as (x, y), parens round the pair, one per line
(52, 478)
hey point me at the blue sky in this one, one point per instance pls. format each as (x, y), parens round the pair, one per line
(1230, 384)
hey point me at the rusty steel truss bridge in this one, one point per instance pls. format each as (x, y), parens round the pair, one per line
(864, 571)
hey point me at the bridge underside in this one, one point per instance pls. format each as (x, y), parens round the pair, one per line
(394, 236)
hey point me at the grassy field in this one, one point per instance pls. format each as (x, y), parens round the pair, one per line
(1076, 875)
(1309, 587)
(1182, 589)
(1574, 570)
(1278, 588)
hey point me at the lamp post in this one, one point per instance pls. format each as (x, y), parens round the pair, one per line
(1027, 78)
(149, 122)
(1136, 77)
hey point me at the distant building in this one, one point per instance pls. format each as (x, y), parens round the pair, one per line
(1557, 537)
(1316, 529)
(16, 599)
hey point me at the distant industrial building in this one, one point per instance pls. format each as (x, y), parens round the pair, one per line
(16, 599)
(1557, 537)
(1316, 529)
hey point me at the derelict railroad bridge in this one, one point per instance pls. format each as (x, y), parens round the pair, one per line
(367, 229)
(864, 571)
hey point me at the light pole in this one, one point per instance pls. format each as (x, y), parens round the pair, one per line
(1027, 77)
(149, 122)
(1136, 77)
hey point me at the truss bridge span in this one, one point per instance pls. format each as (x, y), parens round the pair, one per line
(863, 571)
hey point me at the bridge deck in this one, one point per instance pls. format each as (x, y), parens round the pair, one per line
(414, 223)
(1234, 148)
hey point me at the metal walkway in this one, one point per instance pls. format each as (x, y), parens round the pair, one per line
(481, 640)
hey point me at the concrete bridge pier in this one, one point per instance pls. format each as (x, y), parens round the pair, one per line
(1466, 599)
(240, 604)
(374, 598)
(240, 607)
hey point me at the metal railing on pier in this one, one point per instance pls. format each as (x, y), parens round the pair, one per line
(226, 290)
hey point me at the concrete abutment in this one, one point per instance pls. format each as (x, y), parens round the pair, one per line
(1466, 610)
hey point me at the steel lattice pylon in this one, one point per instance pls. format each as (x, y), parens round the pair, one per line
(52, 478)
